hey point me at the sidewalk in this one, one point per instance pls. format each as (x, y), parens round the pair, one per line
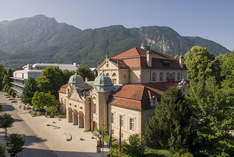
(54, 132)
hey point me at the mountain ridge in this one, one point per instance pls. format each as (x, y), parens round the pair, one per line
(43, 39)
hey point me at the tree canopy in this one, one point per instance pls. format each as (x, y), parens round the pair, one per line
(84, 72)
(171, 125)
(201, 64)
(41, 100)
(28, 91)
(50, 80)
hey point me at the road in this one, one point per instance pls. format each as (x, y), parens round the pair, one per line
(34, 146)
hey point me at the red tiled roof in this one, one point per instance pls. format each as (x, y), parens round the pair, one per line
(136, 58)
(137, 96)
(63, 88)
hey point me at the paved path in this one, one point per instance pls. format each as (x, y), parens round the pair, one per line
(44, 141)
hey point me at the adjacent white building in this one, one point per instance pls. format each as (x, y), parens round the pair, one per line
(34, 71)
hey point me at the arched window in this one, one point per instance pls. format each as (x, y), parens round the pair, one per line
(114, 74)
(107, 74)
(154, 76)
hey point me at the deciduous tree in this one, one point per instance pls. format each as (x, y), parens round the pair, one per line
(50, 80)
(201, 64)
(6, 121)
(29, 89)
(41, 99)
(84, 72)
(15, 144)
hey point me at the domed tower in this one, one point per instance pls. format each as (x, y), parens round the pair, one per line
(103, 87)
(76, 80)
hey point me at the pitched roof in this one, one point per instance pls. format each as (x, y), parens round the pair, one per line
(138, 96)
(136, 58)
(63, 89)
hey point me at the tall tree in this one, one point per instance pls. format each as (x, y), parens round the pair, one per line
(29, 89)
(66, 75)
(41, 100)
(201, 64)
(6, 121)
(10, 72)
(5, 80)
(213, 110)
(15, 144)
(227, 70)
(50, 80)
(171, 125)
(84, 72)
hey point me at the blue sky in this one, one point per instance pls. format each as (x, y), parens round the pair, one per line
(211, 19)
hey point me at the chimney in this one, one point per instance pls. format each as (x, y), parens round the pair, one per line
(181, 61)
(148, 54)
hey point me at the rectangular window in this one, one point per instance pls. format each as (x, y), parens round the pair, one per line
(178, 76)
(131, 124)
(112, 117)
(121, 120)
(94, 108)
(161, 76)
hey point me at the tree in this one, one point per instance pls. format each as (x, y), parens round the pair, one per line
(171, 125)
(201, 64)
(29, 89)
(41, 99)
(66, 75)
(213, 110)
(5, 80)
(52, 110)
(2, 151)
(227, 70)
(6, 121)
(135, 146)
(15, 144)
(84, 72)
(50, 80)
(100, 133)
(10, 72)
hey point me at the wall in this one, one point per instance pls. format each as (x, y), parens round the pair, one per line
(127, 114)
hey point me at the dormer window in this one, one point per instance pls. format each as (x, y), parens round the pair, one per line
(107, 65)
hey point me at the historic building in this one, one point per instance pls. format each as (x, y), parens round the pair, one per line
(125, 92)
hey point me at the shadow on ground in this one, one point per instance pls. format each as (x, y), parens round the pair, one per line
(18, 120)
(8, 107)
(31, 152)
(29, 140)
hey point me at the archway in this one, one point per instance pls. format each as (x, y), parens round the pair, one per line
(81, 120)
(75, 117)
(69, 115)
